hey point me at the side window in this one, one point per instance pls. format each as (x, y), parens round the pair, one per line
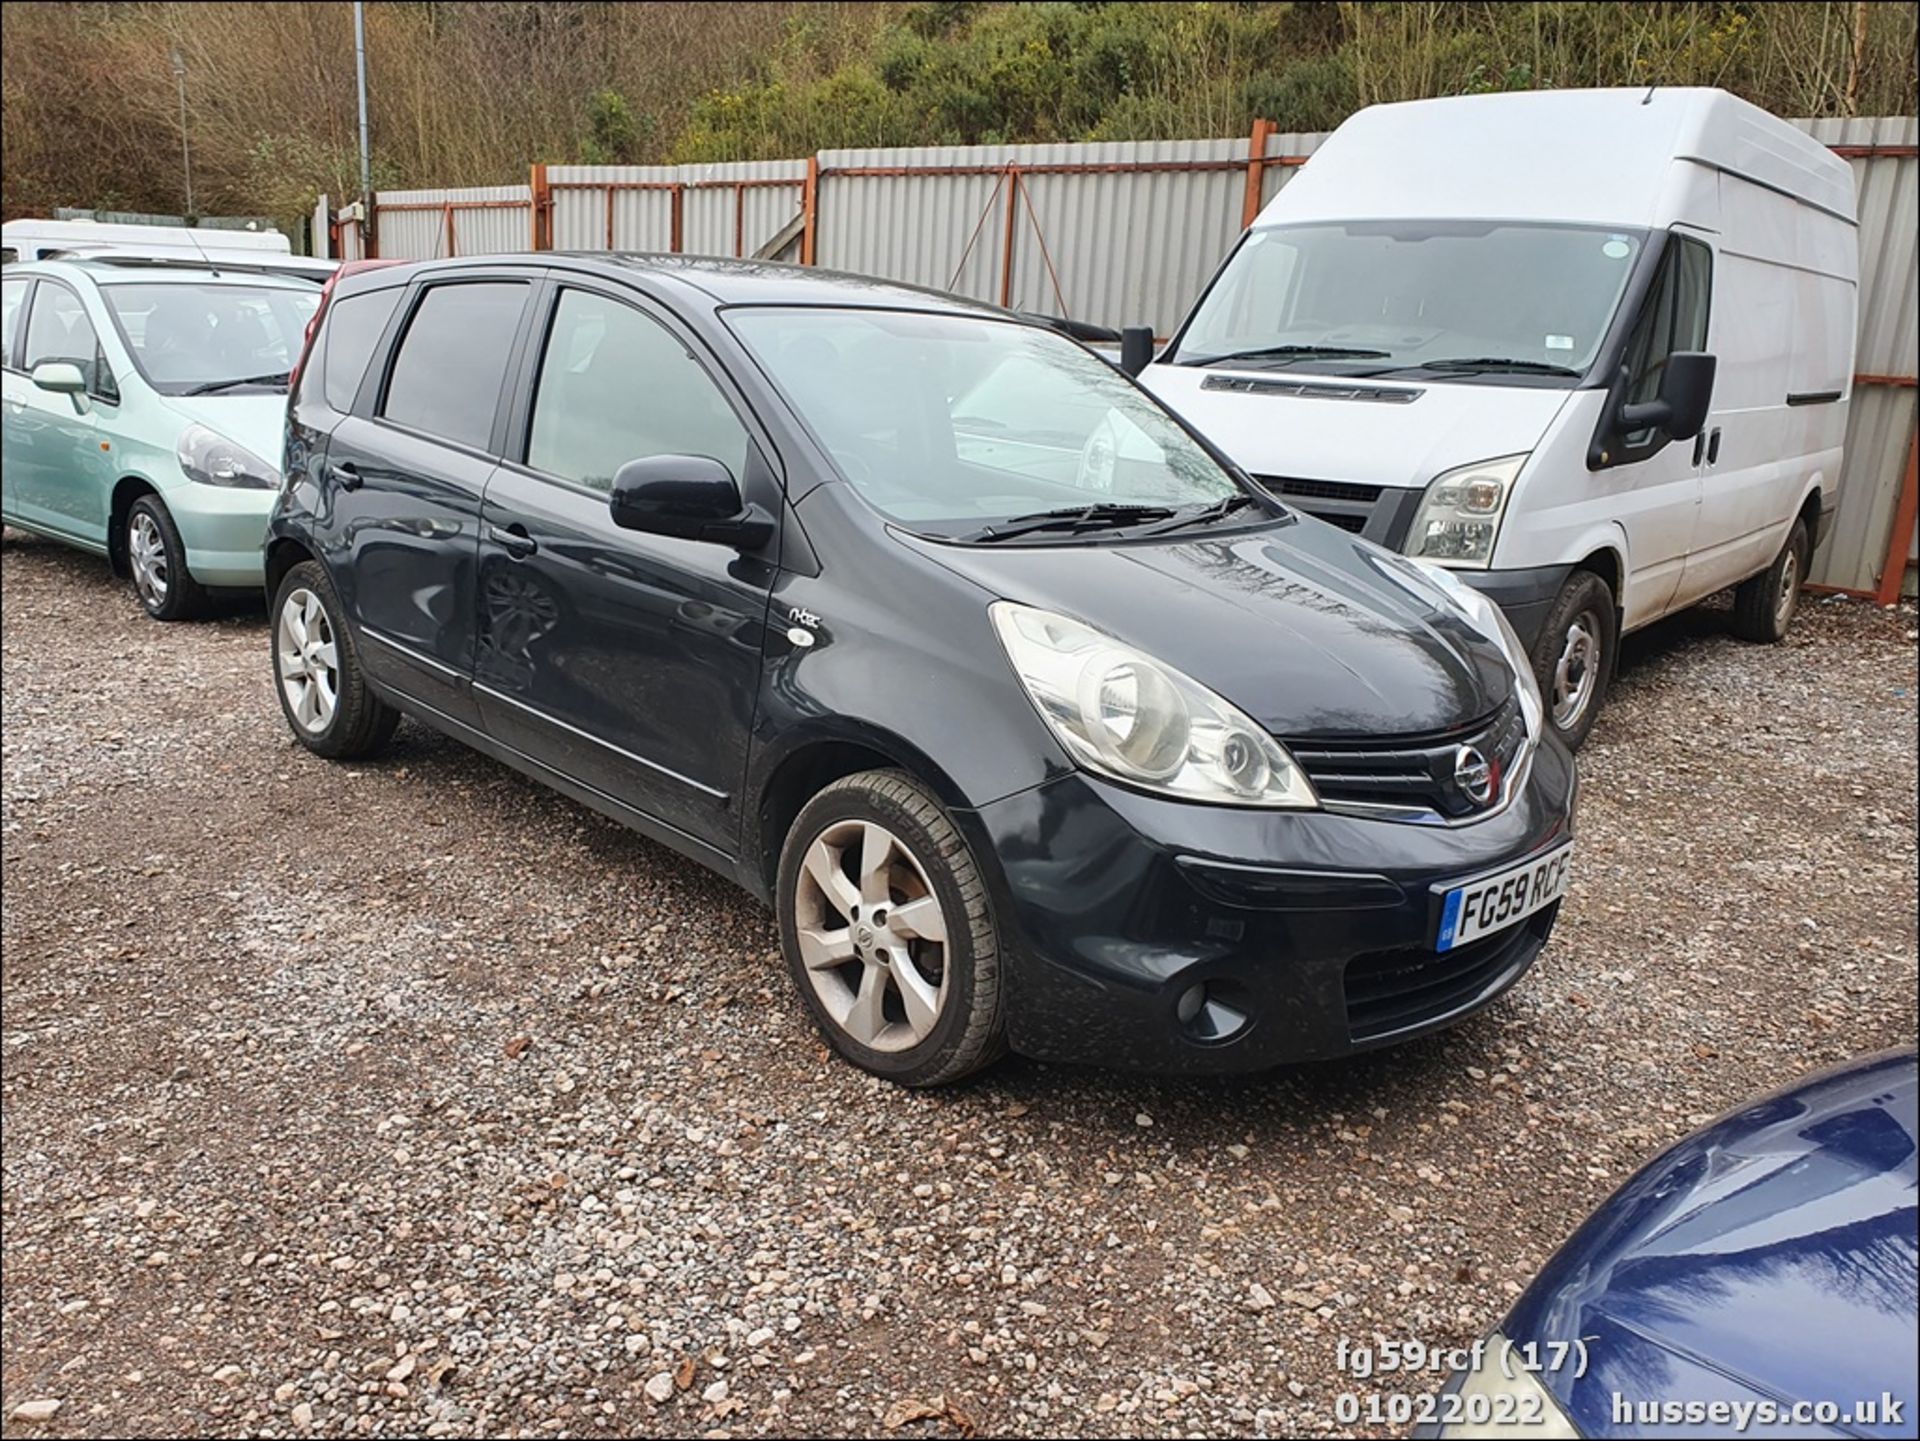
(1674, 318)
(13, 294)
(616, 386)
(446, 375)
(354, 327)
(58, 329)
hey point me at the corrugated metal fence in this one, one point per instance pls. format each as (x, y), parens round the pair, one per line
(1127, 233)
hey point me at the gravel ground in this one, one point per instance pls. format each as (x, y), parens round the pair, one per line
(408, 1096)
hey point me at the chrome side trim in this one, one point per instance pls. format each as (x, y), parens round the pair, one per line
(542, 716)
(425, 662)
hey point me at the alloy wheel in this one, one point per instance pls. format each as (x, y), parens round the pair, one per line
(872, 936)
(309, 660)
(147, 554)
(1789, 597)
(1576, 675)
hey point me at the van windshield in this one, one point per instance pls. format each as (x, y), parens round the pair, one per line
(956, 425)
(1518, 303)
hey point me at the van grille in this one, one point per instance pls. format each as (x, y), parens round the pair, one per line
(1416, 774)
(1337, 502)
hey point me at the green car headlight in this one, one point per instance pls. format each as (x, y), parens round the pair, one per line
(210, 458)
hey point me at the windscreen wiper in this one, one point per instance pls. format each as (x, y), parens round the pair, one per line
(1206, 514)
(1101, 516)
(214, 386)
(1293, 352)
(1493, 363)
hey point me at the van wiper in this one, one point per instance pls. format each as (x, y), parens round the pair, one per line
(1494, 363)
(212, 387)
(1101, 516)
(1293, 352)
(1206, 514)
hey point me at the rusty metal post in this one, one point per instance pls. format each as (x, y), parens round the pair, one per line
(541, 208)
(679, 198)
(1006, 253)
(1256, 171)
(1895, 570)
(609, 217)
(448, 209)
(739, 221)
(810, 210)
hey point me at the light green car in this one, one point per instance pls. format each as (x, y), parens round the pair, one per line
(145, 407)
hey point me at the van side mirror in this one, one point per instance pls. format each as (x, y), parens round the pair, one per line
(691, 497)
(1686, 395)
(62, 377)
(1136, 348)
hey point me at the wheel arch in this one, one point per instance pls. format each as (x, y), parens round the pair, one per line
(807, 764)
(283, 554)
(126, 490)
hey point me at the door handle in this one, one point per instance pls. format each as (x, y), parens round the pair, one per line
(1699, 446)
(347, 477)
(1713, 447)
(513, 539)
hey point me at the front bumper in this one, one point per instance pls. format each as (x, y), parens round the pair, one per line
(1317, 928)
(225, 532)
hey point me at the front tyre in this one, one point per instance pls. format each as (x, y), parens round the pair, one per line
(316, 671)
(1764, 605)
(886, 926)
(157, 558)
(1573, 656)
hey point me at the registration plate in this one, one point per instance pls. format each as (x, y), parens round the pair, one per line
(1499, 900)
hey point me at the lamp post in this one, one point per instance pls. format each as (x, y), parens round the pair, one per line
(179, 63)
(360, 72)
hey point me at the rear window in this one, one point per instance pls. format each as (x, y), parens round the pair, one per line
(446, 376)
(12, 293)
(354, 326)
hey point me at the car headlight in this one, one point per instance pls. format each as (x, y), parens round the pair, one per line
(1487, 618)
(1128, 716)
(210, 458)
(1459, 516)
(1490, 1403)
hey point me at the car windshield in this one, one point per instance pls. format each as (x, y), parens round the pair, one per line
(1518, 302)
(192, 339)
(949, 423)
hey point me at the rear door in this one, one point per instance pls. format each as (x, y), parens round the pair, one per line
(627, 662)
(13, 377)
(404, 474)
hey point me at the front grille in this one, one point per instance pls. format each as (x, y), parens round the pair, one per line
(1420, 775)
(1337, 502)
(1390, 991)
(1313, 390)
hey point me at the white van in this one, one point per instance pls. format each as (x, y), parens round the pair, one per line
(1591, 349)
(264, 250)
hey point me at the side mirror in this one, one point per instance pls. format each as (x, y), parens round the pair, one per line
(1686, 394)
(691, 497)
(1136, 348)
(62, 377)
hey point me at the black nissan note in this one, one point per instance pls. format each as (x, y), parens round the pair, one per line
(1038, 723)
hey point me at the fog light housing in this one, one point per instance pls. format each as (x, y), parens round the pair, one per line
(1211, 1012)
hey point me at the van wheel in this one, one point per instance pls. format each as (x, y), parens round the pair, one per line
(886, 928)
(157, 557)
(1763, 605)
(1573, 656)
(316, 671)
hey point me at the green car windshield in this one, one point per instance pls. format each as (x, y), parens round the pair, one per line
(190, 339)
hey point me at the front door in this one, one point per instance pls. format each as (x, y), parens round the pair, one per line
(403, 488)
(628, 662)
(1656, 484)
(55, 470)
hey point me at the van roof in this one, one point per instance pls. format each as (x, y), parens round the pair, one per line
(1584, 156)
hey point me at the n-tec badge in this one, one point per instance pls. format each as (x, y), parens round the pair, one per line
(1473, 775)
(804, 617)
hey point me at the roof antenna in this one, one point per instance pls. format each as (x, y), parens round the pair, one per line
(194, 241)
(1647, 99)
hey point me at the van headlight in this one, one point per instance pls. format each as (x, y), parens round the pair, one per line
(1126, 715)
(1487, 618)
(1459, 516)
(210, 458)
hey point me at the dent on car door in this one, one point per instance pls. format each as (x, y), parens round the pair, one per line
(627, 661)
(403, 488)
(60, 480)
